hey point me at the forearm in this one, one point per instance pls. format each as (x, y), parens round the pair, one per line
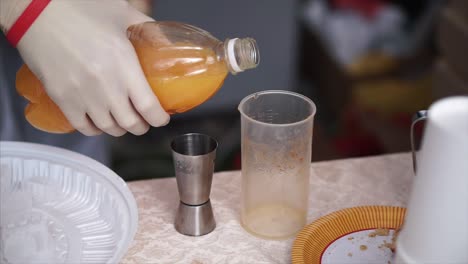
(10, 10)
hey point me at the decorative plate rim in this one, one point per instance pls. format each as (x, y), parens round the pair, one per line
(357, 214)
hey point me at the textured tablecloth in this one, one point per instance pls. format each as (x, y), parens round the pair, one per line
(334, 185)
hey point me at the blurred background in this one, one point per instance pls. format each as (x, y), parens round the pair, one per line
(369, 65)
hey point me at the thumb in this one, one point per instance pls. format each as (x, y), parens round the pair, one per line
(136, 17)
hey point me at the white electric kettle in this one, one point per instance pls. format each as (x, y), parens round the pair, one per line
(435, 229)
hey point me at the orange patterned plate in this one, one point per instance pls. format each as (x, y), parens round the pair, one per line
(353, 235)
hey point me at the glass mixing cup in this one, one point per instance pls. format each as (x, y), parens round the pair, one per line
(276, 156)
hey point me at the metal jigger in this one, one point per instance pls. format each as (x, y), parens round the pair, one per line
(194, 156)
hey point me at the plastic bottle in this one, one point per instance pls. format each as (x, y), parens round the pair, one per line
(183, 64)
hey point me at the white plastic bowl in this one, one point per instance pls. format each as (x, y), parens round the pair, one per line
(59, 206)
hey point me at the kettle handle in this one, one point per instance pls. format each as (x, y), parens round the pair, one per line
(418, 116)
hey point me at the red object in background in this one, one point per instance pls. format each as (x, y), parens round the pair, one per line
(358, 145)
(402, 120)
(367, 8)
(356, 141)
(237, 162)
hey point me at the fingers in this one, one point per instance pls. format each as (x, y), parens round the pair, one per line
(142, 96)
(144, 100)
(93, 130)
(82, 123)
(106, 122)
(113, 112)
(90, 115)
(123, 118)
(148, 106)
(129, 119)
(100, 115)
(73, 110)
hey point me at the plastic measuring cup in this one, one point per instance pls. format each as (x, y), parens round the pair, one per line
(276, 155)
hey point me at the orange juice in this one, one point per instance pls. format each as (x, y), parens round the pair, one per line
(184, 66)
(181, 76)
(41, 112)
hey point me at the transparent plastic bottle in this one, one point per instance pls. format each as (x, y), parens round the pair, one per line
(183, 64)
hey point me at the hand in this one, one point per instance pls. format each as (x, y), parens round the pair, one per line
(80, 52)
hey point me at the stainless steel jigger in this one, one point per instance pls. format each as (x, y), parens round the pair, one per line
(194, 156)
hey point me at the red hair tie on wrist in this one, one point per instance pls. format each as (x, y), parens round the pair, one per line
(25, 20)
